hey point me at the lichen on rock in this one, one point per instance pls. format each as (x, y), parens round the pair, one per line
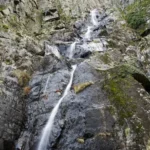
(81, 86)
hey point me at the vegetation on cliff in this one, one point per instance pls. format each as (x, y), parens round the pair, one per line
(137, 15)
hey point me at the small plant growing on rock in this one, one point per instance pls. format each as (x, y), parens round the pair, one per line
(26, 90)
(22, 76)
(5, 27)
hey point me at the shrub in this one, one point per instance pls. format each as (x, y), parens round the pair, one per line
(22, 76)
(135, 19)
(137, 14)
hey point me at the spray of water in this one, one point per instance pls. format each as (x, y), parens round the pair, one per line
(71, 49)
(87, 35)
(48, 128)
(94, 19)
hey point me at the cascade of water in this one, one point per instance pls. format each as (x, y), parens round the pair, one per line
(48, 128)
(93, 47)
(87, 35)
(94, 19)
(71, 49)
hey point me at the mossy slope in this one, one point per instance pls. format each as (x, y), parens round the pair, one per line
(124, 93)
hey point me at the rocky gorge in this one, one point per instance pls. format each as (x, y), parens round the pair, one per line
(74, 75)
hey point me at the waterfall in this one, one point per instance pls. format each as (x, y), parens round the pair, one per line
(48, 127)
(87, 35)
(93, 47)
(94, 19)
(86, 43)
(71, 50)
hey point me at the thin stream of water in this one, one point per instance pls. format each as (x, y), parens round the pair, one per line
(71, 50)
(87, 35)
(48, 127)
(94, 19)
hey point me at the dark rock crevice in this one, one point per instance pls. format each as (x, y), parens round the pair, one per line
(145, 33)
(143, 80)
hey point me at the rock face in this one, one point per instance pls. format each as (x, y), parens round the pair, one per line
(12, 115)
(104, 115)
(107, 106)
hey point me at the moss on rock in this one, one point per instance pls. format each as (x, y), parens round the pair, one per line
(2, 7)
(80, 87)
(122, 88)
(105, 58)
(22, 76)
(123, 103)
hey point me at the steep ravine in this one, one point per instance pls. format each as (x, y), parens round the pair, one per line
(103, 105)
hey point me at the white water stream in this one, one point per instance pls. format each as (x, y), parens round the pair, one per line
(48, 127)
(94, 14)
(71, 49)
(87, 35)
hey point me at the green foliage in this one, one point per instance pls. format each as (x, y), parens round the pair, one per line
(123, 103)
(22, 76)
(5, 27)
(136, 19)
(137, 13)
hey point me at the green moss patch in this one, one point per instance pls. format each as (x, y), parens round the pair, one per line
(22, 76)
(136, 19)
(121, 86)
(105, 58)
(124, 104)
